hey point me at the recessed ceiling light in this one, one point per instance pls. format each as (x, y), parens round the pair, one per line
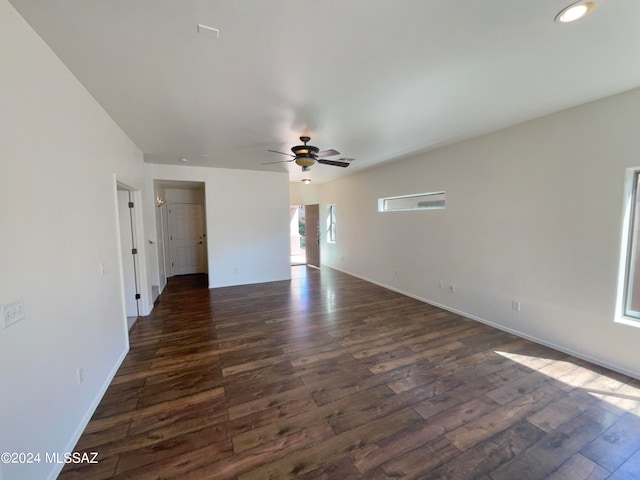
(306, 181)
(575, 11)
(184, 160)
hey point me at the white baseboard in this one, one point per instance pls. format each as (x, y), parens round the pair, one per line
(560, 348)
(57, 467)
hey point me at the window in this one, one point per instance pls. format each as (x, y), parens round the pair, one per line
(331, 224)
(418, 201)
(631, 299)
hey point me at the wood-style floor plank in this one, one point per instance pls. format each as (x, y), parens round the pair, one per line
(329, 377)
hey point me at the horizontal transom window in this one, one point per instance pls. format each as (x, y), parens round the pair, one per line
(417, 201)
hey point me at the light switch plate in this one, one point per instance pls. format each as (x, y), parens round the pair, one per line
(12, 312)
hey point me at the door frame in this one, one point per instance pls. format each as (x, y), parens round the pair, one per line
(162, 196)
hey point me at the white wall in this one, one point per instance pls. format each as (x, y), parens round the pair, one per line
(60, 154)
(153, 243)
(247, 222)
(184, 195)
(301, 194)
(533, 213)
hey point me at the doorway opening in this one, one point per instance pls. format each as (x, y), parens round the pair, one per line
(304, 229)
(181, 229)
(297, 227)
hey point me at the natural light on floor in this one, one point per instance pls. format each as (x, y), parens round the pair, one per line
(590, 380)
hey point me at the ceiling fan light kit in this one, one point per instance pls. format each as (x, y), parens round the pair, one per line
(305, 160)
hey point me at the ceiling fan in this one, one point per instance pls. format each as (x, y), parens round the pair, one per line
(306, 155)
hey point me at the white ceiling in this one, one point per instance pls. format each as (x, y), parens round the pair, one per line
(376, 80)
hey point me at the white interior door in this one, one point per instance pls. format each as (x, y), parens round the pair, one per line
(186, 236)
(128, 258)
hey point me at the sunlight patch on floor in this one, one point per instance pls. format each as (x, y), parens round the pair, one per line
(615, 392)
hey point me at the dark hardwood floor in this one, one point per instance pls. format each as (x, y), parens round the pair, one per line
(331, 377)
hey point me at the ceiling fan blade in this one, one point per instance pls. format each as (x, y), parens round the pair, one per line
(283, 153)
(280, 161)
(335, 163)
(328, 153)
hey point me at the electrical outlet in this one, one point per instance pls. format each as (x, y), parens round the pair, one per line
(396, 272)
(441, 284)
(515, 305)
(235, 269)
(452, 287)
(80, 375)
(12, 312)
